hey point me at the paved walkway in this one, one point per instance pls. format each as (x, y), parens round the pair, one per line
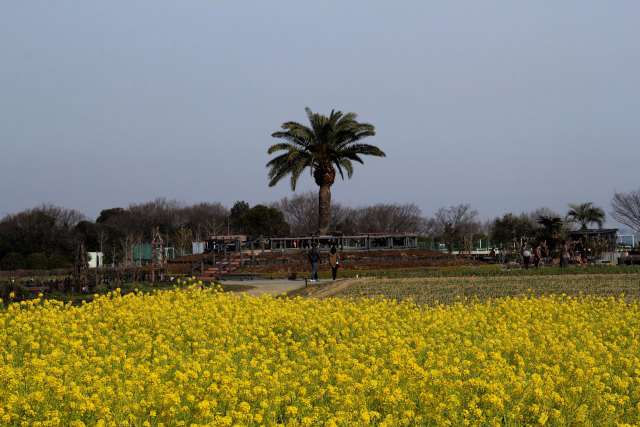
(266, 286)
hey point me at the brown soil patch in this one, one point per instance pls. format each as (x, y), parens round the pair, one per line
(354, 265)
(410, 259)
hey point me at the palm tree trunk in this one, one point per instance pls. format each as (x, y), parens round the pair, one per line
(324, 208)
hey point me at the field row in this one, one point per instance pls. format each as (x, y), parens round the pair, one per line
(449, 290)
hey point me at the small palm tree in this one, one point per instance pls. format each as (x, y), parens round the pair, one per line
(330, 143)
(585, 214)
(552, 224)
(551, 228)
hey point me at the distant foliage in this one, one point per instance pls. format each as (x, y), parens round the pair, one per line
(511, 227)
(37, 261)
(58, 261)
(237, 217)
(268, 222)
(46, 229)
(13, 261)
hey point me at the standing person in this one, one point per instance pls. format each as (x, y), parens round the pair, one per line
(537, 255)
(526, 254)
(564, 255)
(584, 255)
(503, 255)
(334, 261)
(314, 259)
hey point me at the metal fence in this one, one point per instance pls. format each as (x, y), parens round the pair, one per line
(479, 246)
(625, 242)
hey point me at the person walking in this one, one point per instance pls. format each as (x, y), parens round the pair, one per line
(334, 261)
(314, 259)
(537, 255)
(526, 254)
(564, 255)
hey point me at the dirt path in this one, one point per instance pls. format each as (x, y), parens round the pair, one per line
(334, 288)
(266, 286)
(325, 289)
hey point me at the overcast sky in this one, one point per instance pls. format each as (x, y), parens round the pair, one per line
(507, 106)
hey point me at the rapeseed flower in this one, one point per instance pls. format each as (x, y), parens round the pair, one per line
(203, 357)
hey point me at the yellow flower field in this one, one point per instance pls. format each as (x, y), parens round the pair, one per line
(208, 358)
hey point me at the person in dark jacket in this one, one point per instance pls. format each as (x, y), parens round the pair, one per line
(314, 259)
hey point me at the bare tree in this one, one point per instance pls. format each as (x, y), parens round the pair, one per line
(182, 240)
(205, 219)
(102, 239)
(160, 213)
(114, 254)
(344, 219)
(300, 212)
(486, 227)
(380, 218)
(626, 208)
(390, 218)
(452, 223)
(126, 245)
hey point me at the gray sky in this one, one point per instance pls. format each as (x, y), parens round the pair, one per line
(507, 106)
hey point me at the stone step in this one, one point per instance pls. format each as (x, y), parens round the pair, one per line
(213, 272)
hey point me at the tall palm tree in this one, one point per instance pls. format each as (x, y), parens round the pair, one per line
(585, 214)
(330, 143)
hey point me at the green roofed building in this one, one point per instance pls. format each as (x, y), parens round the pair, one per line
(142, 253)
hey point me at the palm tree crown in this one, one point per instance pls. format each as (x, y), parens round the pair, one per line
(330, 143)
(585, 214)
(551, 228)
(552, 224)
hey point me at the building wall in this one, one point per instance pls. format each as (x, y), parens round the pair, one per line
(95, 259)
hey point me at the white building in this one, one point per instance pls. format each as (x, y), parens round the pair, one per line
(94, 259)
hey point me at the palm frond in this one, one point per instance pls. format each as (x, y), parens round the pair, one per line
(347, 165)
(354, 152)
(281, 146)
(291, 162)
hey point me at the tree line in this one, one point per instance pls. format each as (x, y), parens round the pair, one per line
(47, 236)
